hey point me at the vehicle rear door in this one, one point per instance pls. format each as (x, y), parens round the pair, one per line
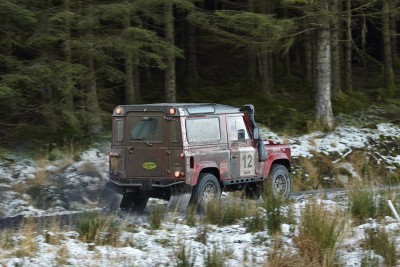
(147, 148)
(243, 154)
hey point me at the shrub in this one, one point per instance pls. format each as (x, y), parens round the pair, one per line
(214, 258)
(362, 204)
(184, 257)
(156, 215)
(255, 223)
(279, 256)
(378, 241)
(318, 235)
(227, 213)
(102, 230)
(273, 208)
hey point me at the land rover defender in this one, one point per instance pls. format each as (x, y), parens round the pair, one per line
(189, 153)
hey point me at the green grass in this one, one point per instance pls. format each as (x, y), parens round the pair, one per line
(379, 241)
(184, 257)
(156, 215)
(274, 215)
(221, 214)
(95, 228)
(365, 203)
(318, 236)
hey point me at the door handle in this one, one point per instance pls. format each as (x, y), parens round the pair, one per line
(131, 150)
(234, 157)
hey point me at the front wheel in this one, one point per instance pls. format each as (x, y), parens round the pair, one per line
(279, 181)
(206, 191)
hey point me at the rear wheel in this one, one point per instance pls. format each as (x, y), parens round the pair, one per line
(134, 201)
(279, 181)
(111, 197)
(206, 191)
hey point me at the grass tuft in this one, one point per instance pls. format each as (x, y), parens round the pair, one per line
(365, 203)
(184, 257)
(362, 204)
(318, 236)
(227, 213)
(94, 228)
(156, 215)
(214, 258)
(378, 240)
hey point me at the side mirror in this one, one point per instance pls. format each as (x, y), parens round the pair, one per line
(241, 135)
(256, 133)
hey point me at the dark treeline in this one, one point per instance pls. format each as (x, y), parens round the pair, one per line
(65, 64)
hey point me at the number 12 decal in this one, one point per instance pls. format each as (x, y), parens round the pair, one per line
(247, 161)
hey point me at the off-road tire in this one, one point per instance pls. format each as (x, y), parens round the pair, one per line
(279, 182)
(134, 201)
(111, 196)
(207, 190)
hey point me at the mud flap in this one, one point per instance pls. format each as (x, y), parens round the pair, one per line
(180, 197)
(111, 197)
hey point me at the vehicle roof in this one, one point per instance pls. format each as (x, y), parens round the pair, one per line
(183, 109)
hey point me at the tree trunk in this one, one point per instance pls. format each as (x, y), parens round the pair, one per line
(170, 77)
(68, 109)
(265, 72)
(393, 31)
(92, 102)
(308, 54)
(324, 114)
(191, 53)
(265, 66)
(251, 52)
(336, 59)
(348, 80)
(387, 51)
(130, 65)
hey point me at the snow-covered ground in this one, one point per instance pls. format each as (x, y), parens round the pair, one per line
(29, 187)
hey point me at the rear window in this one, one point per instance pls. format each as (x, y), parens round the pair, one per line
(201, 130)
(147, 128)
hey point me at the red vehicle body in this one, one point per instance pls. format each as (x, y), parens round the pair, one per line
(166, 150)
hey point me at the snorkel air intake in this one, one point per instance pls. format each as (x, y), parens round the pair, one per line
(249, 109)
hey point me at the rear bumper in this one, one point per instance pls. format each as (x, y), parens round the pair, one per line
(147, 183)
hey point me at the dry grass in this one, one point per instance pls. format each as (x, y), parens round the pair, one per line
(26, 245)
(366, 203)
(98, 229)
(62, 255)
(368, 168)
(319, 237)
(215, 257)
(184, 256)
(281, 257)
(379, 241)
(228, 213)
(88, 169)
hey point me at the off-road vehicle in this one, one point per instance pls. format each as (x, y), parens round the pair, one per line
(189, 153)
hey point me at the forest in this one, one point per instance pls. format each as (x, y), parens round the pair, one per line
(65, 64)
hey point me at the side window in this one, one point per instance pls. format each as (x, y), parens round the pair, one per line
(234, 124)
(174, 131)
(118, 131)
(203, 130)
